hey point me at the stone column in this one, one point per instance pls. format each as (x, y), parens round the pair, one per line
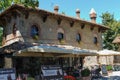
(8, 62)
(70, 59)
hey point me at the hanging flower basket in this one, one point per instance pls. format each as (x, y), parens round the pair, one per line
(35, 37)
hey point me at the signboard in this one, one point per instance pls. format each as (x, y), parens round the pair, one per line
(52, 72)
(7, 74)
(104, 70)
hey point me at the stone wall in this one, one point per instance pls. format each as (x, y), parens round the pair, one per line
(48, 32)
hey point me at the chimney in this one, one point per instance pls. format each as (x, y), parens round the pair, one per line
(56, 8)
(93, 15)
(77, 13)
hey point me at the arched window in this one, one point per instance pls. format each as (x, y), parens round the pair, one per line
(95, 40)
(14, 29)
(34, 32)
(60, 35)
(78, 37)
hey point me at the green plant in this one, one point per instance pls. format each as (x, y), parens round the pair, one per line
(35, 37)
(109, 67)
(30, 78)
(85, 72)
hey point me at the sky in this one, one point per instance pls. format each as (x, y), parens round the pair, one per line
(70, 6)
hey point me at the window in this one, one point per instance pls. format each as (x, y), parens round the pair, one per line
(82, 26)
(14, 29)
(78, 37)
(95, 40)
(34, 32)
(60, 35)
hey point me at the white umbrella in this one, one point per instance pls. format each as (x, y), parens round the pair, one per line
(106, 52)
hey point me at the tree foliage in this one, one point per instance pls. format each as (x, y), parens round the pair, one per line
(6, 3)
(114, 25)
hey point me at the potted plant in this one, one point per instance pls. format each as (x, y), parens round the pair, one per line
(85, 73)
(109, 69)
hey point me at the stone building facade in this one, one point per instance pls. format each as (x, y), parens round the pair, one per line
(37, 26)
(117, 41)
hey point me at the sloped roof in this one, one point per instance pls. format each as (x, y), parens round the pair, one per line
(116, 40)
(55, 50)
(22, 8)
(19, 48)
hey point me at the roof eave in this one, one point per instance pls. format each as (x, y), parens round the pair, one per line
(51, 13)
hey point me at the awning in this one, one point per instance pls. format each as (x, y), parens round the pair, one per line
(106, 52)
(55, 50)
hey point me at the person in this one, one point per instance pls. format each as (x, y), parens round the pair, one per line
(92, 71)
(76, 72)
(64, 73)
(98, 70)
(19, 77)
(24, 76)
(9, 77)
(58, 72)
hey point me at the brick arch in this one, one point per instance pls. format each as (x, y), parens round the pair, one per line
(38, 27)
(61, 30)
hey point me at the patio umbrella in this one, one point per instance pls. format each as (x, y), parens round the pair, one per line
(106, 52)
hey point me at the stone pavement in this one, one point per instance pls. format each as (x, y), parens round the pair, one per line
(108, 78)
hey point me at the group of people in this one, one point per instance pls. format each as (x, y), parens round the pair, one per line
(24, 77)
(76, 71)
(95, 72)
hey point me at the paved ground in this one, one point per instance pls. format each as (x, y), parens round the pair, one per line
(115, 75)
(108, 78)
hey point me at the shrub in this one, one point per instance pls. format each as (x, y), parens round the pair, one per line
(85, 72)
(30, 78)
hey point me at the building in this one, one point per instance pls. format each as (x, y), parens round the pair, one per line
(51, 36)
(117, 41)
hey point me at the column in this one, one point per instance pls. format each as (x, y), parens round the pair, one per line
(8, 62)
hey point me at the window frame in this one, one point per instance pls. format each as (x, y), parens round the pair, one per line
(78, 37)
(35, 35)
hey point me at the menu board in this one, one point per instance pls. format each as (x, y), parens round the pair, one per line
(7, 74)
(52, 72)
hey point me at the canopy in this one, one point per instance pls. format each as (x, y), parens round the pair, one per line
(106, 52)
(55, 50)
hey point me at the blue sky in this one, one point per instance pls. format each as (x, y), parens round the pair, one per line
(70, 6)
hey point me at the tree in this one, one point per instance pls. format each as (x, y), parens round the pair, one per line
(109, 35)
(6, 3)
